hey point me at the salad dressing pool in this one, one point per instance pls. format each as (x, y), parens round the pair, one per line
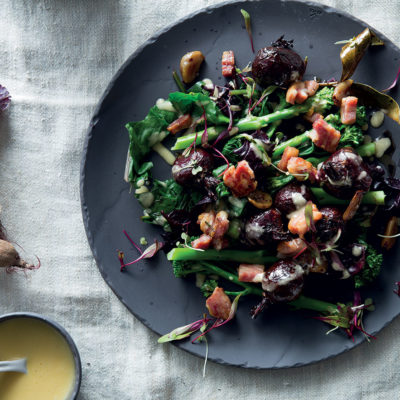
(50, 363)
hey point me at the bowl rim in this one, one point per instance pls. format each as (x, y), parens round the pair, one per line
(60, 329)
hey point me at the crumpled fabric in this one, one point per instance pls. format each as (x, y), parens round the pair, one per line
(57, 57)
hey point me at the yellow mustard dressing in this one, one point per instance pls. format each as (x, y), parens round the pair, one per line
(50, 362)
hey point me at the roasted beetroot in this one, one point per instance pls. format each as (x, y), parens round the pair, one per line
(283, 281)
(265, 228)
(188, 169)
(291, 197)
(277, 65)
(329, 225)
(343, 173)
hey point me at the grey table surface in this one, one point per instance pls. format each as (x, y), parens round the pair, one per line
(57, 57)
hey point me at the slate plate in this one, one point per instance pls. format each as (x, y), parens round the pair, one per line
(279, 338)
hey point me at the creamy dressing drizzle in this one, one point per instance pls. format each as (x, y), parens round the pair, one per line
(146, 199)
(254, 231)
(381, 146)
(207, 82)
(356, 251)
(298, 200)
(362, 175)
(377, 119)
(346, 181)
(272, 286)
(259, 277)
(165, 105)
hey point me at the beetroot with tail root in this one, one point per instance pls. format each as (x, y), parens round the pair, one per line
(9, 257)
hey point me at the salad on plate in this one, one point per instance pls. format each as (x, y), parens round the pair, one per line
(276, 184)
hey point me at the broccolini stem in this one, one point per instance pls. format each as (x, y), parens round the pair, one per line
(238, 92)
(178, 82)
(302, 302)
(251, 289)
(184, 142)
(315, 160)
(240, 256)
(253, 123)
(234, 294)
(308, 303)
(293, 142)
(250, 123)
(323, 198)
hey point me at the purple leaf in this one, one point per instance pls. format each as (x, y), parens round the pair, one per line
(150, 252)
(394, 83)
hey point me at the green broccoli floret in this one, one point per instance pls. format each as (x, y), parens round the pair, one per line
(185, 268)
(351, 135)
(322, 100)
(361, 116)
(372, 266)
(208, 287)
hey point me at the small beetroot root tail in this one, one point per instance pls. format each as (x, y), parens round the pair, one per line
(23, 266)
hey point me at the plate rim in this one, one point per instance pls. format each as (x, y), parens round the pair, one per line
(89, 135)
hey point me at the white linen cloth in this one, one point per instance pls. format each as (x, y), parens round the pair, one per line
(56, 59)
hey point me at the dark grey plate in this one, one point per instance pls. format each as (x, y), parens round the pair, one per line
(278, 338)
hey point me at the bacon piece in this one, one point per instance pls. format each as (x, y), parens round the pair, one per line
(251, 273)
(299, 92)
(228, 64)
(214, 226)
(219, 304)
(240, 180)
(311, 87)
(324, 135)
(203, 242)
(341, 91)
(206, 222)
(291, 248)
(183, 122)
(293, 90)
(348, 110)
(221, 225)
(302, 94)
(297, 223)
(298, 165)
(287, 154)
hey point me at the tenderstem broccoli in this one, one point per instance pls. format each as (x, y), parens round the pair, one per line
(323, 198)
(321, 101)
(337, 315)
(351, 135)
(245, 256)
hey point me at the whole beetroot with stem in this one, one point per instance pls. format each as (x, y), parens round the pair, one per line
(10, 258)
